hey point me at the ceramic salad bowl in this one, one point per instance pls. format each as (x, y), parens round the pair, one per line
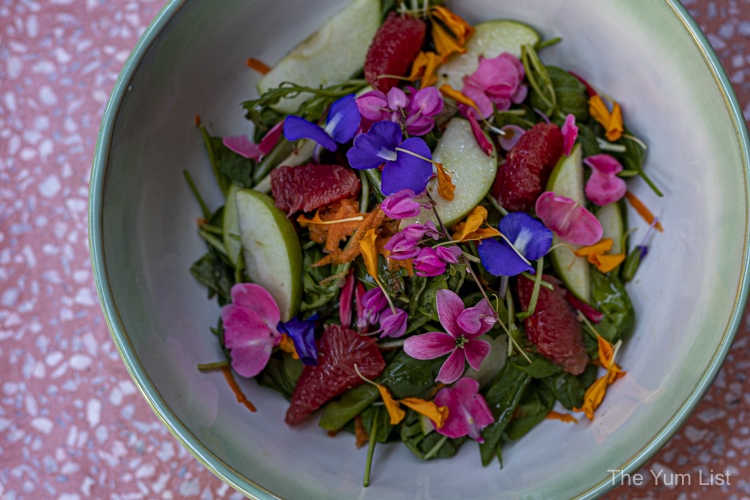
(689, 293)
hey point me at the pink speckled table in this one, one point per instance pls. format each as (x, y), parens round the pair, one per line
(72, 424)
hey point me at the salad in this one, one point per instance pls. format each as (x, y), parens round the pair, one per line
(434, 250)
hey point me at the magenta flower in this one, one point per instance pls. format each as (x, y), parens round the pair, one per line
(243, 146)
(424, 105)
(567, 219)
(416, 114)
(496, 81)
(250, 328)
(393, 322)
(604, 186)
(510, 136)
(570, 133)
(479, 136)
(402, 246)
(401, 204)
(345, 300)
(463, 326)
(416, 232)
(468, 412)
(369, 306)
(433, 261)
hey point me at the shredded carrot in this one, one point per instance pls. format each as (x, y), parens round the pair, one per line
(197, 120)
(642, 210)
(241, 398)
(258, 65)
(563, 417)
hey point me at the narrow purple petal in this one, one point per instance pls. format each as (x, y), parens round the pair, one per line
(258, 299)
(298, 128)
(408, 171)
(343, 119)
(479, 136)
(452, 369)
(345, 300)
(449, 306)
(476, 350)
(429, 345)
(529, 236)
(243, 146)
(500, 260)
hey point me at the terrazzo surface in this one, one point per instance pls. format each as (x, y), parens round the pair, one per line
(72, 424)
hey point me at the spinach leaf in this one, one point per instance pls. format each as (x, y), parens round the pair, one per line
(608, 295)
(525, 120)
(383, 428)
(569, 92)
(337, 413)
(536, 403)
(215, 274)
(281, 373)
(427, 304)
(569, 389)
(633, 159)
(587, 138)
(320, 289)
(539, 367)
(227, 165)
(503, 396)
(424, 445)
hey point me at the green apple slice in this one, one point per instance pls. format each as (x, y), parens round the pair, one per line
(472, 172)
(231, 225)
(330, 55)
(491, 39)
(567, 180)
(271, 249)
(613, 225)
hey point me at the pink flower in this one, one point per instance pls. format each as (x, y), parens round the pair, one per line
(604, 187)
(570, 133)
(416, 232)
(414, 113)
(250, 328)
(468, 412)
(463, 326)
(429, 263)
(345, 300)
(449, 254)
(496, 81)
(393, 323)
(570, 221)
(401, 205)
(424, 105)
(402, 246)
(241, 145)
(479, 136)
(511, 135)
(369, 306)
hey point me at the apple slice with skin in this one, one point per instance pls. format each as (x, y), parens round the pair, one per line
(231, 226)
(613, 225)
(491, 39)
(271, 249)
(330, 55)
(472, 172)
(566, 180)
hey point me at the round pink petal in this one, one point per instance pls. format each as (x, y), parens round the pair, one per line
(568, 220)
(256, 298)
(449, 306)
(371, 105)
(452, 369)
(468, 412)
(480, 99)
(397, 99)
(570, 133)
(604, 163)
(604, 189)
(243, 146)
(476, 350)
(429, 345)
(248, 338)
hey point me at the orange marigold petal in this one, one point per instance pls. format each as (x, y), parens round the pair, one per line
(598, 110)
(593, 397)
(458, 25)
(425, 66)
(615, 127)
(606, 263)
(606, 351)
(445, 44)
(473, 222)
(563, 417)
(287, 345)
(370, 253)
(457, 96)
(446, 188)
(602, 246)
(438, 414)
(642, 210)
(391, 405)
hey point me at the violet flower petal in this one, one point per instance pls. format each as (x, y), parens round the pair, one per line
(343, 119)
(449, 254)
(407, 171)
(428, 263)
(402, 246)
(378, 145)
(298, 128)
(512, 134)
(529, 236)
(453, 368)
(429, 345)
(302, 333)
(500, 260)
(371, 105)
(401, 205)
(345, 300)
(271, 138)
(243, 146)
(397, 99)
(427, 102)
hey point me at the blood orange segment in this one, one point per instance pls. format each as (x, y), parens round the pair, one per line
(521, 179)
(554, 328)
(339, 350)
(392, 51)
(311, 186)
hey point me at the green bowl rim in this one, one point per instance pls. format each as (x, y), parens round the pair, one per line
(227, 473)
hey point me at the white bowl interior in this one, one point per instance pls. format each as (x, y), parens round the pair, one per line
(686, 292)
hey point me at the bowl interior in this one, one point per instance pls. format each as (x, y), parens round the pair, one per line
(688, 294)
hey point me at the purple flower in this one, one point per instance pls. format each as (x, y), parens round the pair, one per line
(302, 333)
(496, 81)
(345, 300)
(393, 323)
(429, 263)
(448, 254)
(425, 104)
(402, 246)
(341, 125)
(369, 306)
(529, 237)
(401, 205)
(511, 135)
(416, 232)
(408, 164)
(463, 326)
(415, 114)
(468, 412)
(250, 328)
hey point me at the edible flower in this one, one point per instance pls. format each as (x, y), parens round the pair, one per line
(415, 111)
(437, 414)
(408, 164)
(604, 186)
(446, 189)
(462, 327)
(393, 322)
(243, 146)
(402, 246)
(479, 136)
(510, 136)
(596, 255)
(468, 412)
(524, 239)
(342, 124)
(345, 299)
(643, 211)
(570, 133)
(401, 205)
(471, 228)
(461, 30)
(416, 232)
(567, 219)
(611, 121)
(497, 81)
(302, 333)
(424, 67)
(369, 306)
(250, 333)
(434, 261)
(594, 395)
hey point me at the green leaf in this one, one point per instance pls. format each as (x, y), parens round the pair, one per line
(633, 159)
(570, 95)
(337, 413)
(215, 274)
(281, 373)
(427, 301)
(587, 138)
(424, 446)
(235, 167)
(539, 367)
(383, 428)
(503, 396)
(608, 296)
(536, 403)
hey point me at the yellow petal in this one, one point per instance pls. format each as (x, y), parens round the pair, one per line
(287, 345)
(457, 96)
(460, 28)
(606, 263)
(615, 127)
(603, 246)
(474, 221)
(445, 44)
(438, 414)
(593, 397)
(370, 253)
(563, 417)
(425, 65)
(599, 111)
(446, 187)
(391, 405)
(482, 233)
(606, 352)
